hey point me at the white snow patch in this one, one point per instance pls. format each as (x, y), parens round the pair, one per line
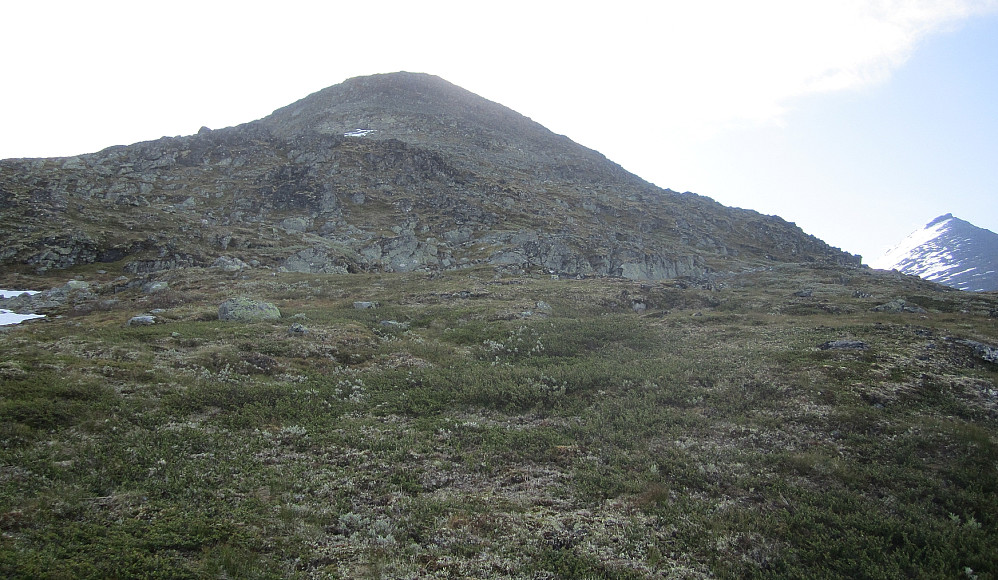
(8, 317)
(951, 275)
(359, 133)
(898, 253)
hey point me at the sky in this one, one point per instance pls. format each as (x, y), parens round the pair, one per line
(858, 120)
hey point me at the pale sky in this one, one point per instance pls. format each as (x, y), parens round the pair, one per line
(860, 120)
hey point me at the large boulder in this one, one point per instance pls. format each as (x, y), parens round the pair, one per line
(314, 261)
(247, 310)
(899, 305)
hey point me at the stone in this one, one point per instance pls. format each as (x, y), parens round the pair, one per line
(638, 306)
(247, 310)
(153, 287)
(543, 307)
(844, 345)
(295, 224)
(313, 261)
(360, 305)
(983, 351)
(899, 305)
(229, 264)
(297, 328)
(142, 320)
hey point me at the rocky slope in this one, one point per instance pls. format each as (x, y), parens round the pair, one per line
(949, 251)
(395, 172)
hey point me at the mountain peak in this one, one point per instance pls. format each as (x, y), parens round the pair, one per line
(948, 250)
(940, 219)
(393, 172)
(397, 104)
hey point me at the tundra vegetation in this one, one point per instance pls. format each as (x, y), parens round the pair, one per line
(766, 423)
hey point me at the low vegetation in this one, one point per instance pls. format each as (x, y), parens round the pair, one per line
(484, 426)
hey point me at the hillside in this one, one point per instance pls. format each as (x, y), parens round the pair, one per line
(949, 251)
(793, 421)
(396, 172)
(395, 330)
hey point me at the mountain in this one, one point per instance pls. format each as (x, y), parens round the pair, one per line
(393, 172)
(950, 251)
(447, 408)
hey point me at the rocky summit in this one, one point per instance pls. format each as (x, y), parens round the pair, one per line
(387, 173)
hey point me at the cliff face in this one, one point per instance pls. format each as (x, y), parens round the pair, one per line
(394, 172)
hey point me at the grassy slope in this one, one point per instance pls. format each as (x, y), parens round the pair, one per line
(706, 436)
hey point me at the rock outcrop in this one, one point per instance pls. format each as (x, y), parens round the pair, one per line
(247, 310)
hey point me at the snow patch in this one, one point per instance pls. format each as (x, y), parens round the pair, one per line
(359, 133)
(893, 257)
(8, 317)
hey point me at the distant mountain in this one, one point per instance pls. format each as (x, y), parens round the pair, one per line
(949, 251)
(385, 173)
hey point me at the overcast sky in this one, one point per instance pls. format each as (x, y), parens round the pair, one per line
(860, 120)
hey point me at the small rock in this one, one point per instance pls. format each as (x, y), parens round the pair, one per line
(297, 328)
(844, 345)
(543, 307)
(638, 307)
(395, 324)
(360, 305)
(143, 320)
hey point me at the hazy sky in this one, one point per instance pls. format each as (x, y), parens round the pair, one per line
(860, 120)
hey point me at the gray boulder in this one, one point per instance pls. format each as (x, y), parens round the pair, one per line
(229, 264)
(844, 345)
(313, 261)
(142, 320)
(246, 310)
(153, 287)
(74, 291)
(983, 351)
(899, 305)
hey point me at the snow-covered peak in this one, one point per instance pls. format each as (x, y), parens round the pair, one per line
(947, 250)
(894, 256)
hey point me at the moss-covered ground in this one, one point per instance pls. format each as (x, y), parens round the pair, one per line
(481, 426)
